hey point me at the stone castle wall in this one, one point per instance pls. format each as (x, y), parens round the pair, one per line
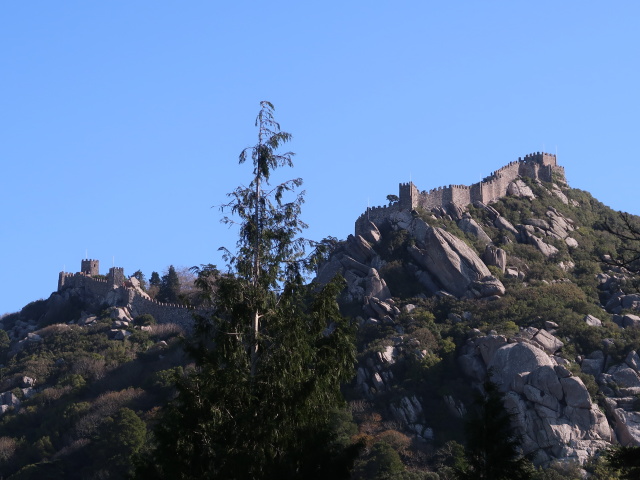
(162, 312)
(99, 286)
(540, 166)
(376, 215)
(126, 295)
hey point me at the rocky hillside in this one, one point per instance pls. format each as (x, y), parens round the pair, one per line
(522, 292)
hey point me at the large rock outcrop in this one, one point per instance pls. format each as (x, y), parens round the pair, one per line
(444, 264)
(621, 384)
(551, 408)
(448, 260)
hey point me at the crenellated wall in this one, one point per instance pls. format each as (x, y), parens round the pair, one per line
(163, 312)
(116, 276)
(539, 166)
(90, 267)
(376, 215)
(125, 294)
(98, 286)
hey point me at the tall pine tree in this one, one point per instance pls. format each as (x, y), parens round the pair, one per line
(493, 447)
(169, 291)
(271, 359)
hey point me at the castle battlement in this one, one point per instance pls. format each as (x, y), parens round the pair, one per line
(90, 267)
(136, 301)
(538, 166)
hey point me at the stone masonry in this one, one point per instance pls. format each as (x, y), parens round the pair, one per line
(538, 166)
(116, 286)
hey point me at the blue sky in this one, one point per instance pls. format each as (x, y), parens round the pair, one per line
(121, 122)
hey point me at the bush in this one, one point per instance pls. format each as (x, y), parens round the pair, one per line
(146, 319)
(400, 281)
(382, 462)
(34, 310)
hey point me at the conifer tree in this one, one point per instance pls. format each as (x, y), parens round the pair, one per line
(626, 460)
(493, 448)
(155, 280)
(169, 286)
(271, 359)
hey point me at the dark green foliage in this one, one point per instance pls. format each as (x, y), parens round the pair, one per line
(69, 310)
(140, 276)
(34, 310)
(42, 471)
(4, 345)
(492, 449)
(169, 291)
(145, 319)
(626, 460)
(270, 362)
(562, 471)
(82, 379)
(206, 281)
(382, 462)
(449, 459)
(272, 423)
(119, 440)
(155, 280)
(400, 281)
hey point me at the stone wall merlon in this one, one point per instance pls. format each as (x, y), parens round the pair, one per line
(538, 165)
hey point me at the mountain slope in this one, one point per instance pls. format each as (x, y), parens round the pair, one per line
(522, 290)
(518, 291)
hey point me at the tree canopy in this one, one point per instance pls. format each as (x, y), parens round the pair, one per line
(169, 287)
(271, 357)
(492, 450)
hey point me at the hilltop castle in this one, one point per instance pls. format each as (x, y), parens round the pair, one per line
(89, 275)
(116, 290)
(538, 166)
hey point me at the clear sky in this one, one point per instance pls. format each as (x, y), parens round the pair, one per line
(121, 122)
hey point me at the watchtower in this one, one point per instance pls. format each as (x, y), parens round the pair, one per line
(541, 158)
(116, 276)
(408, 196)
(90, 267)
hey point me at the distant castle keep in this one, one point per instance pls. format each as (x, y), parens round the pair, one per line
(89, 280)
(89, 269)
(538, 166)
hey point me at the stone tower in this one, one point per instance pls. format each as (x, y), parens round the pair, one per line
(90, 267)
(116, 276)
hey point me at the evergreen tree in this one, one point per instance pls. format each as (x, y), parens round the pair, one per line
(169, 287)
(626, 460)
(121, 437)
(492, 450)
(269, 368)
(155, 280)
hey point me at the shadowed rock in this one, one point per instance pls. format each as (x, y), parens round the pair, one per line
(450, 261)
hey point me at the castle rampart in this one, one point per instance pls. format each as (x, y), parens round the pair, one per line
(99, 286)
(115, 281)
(538, 166)
(162, 312)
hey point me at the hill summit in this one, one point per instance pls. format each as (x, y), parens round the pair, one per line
(512, 280)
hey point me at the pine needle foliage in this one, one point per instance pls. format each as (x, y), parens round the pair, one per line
(626, 460)
(493, 448)
(270, 361)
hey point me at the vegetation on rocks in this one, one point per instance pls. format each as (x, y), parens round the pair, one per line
(378, 369)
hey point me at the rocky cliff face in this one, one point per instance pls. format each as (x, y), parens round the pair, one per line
(558, 365)
(551, 407)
